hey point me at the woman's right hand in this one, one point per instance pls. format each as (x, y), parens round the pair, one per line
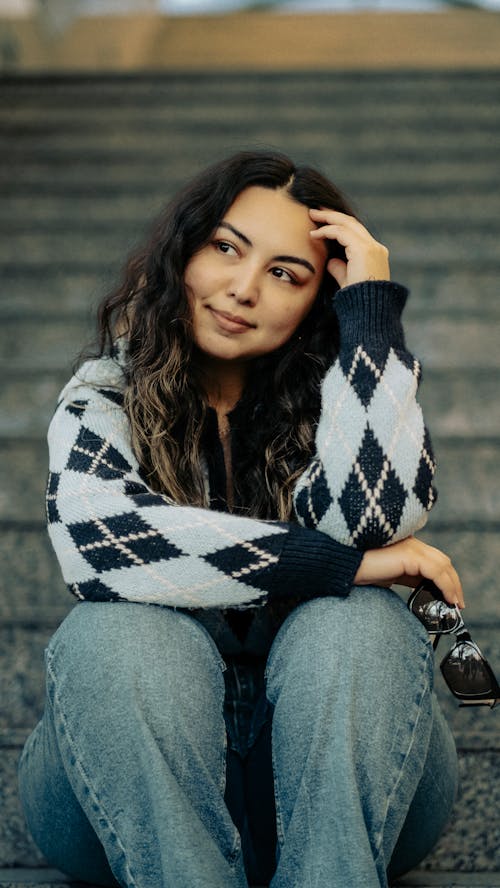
(407, 563)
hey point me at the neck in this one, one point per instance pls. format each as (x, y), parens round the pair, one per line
(224, 382)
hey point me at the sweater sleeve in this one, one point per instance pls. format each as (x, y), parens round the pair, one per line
(370, 483)
(116, 539)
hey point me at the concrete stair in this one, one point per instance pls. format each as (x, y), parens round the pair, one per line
(85, 162)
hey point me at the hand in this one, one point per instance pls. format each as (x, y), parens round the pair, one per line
(407, 563)
(366, 258)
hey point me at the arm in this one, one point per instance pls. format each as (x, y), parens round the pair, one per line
(371, 481)
(370, 485)
(116, 539)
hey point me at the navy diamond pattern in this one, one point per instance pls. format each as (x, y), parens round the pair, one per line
(316, 491)
(423, 488)
(141, 496)
(51, 498)
(121, 541)
(93, 455)
(247, 561)
(373, 497)
(94, 590)
(77, 408)
(364, 372)
(113, 395)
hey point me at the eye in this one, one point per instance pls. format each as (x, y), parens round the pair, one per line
(283, 275)
(225, 247)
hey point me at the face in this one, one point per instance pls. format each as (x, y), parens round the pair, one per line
(253, 284)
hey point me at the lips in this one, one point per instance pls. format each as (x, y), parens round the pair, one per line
(229, 322)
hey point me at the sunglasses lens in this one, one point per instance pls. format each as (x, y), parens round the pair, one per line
(436, 615)
(465, 670)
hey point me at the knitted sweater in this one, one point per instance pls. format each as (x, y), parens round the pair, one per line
(369, 484)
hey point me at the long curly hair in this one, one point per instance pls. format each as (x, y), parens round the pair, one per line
(164, 396)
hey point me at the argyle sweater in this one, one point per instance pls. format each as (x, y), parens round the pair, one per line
(368, 484)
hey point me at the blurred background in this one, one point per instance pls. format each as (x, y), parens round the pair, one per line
(106, 108)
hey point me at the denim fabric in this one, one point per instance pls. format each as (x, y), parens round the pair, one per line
(157, 763)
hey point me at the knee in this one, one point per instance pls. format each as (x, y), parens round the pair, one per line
(370, 632)
(108, 646)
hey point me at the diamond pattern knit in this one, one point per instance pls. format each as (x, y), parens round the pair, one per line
(369, 483)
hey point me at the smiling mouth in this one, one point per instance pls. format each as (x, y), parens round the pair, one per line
(231, 323)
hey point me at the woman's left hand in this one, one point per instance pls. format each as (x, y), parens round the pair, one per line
(366, 258)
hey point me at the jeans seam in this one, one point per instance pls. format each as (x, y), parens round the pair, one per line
(77, 764)
(418, 704)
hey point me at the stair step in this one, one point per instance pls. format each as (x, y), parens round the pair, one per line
(410, 87)
(416, 140)
(381, 176)
(64, 210)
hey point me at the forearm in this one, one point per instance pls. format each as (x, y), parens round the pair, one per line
(116, 539)
(371, 480)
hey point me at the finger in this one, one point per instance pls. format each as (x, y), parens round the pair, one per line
(448, 582)
(338, 270)
(335, 215)
(332, 232)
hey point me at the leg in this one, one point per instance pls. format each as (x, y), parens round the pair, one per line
(135, 717)
(350, 681)
(433, 801)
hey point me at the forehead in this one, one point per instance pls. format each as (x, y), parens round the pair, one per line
(270, 219)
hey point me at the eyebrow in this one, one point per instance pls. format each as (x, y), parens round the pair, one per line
(293, 259)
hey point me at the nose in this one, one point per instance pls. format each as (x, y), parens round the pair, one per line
(245, 285)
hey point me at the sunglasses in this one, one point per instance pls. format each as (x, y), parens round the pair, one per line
(465, 670)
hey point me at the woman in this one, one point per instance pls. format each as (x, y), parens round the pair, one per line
(246, 452)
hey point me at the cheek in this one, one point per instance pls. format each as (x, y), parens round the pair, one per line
(293, 315)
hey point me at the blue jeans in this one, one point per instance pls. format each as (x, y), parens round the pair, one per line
(348, 769)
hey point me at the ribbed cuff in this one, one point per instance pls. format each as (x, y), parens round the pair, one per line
(370, 312)
(313, 565)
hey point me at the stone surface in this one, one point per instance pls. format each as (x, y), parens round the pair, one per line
(57, 209)
(31, 584)
(16, 845)
(85, 165)
(22, 676)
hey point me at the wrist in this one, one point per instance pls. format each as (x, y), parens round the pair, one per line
(370, 312)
